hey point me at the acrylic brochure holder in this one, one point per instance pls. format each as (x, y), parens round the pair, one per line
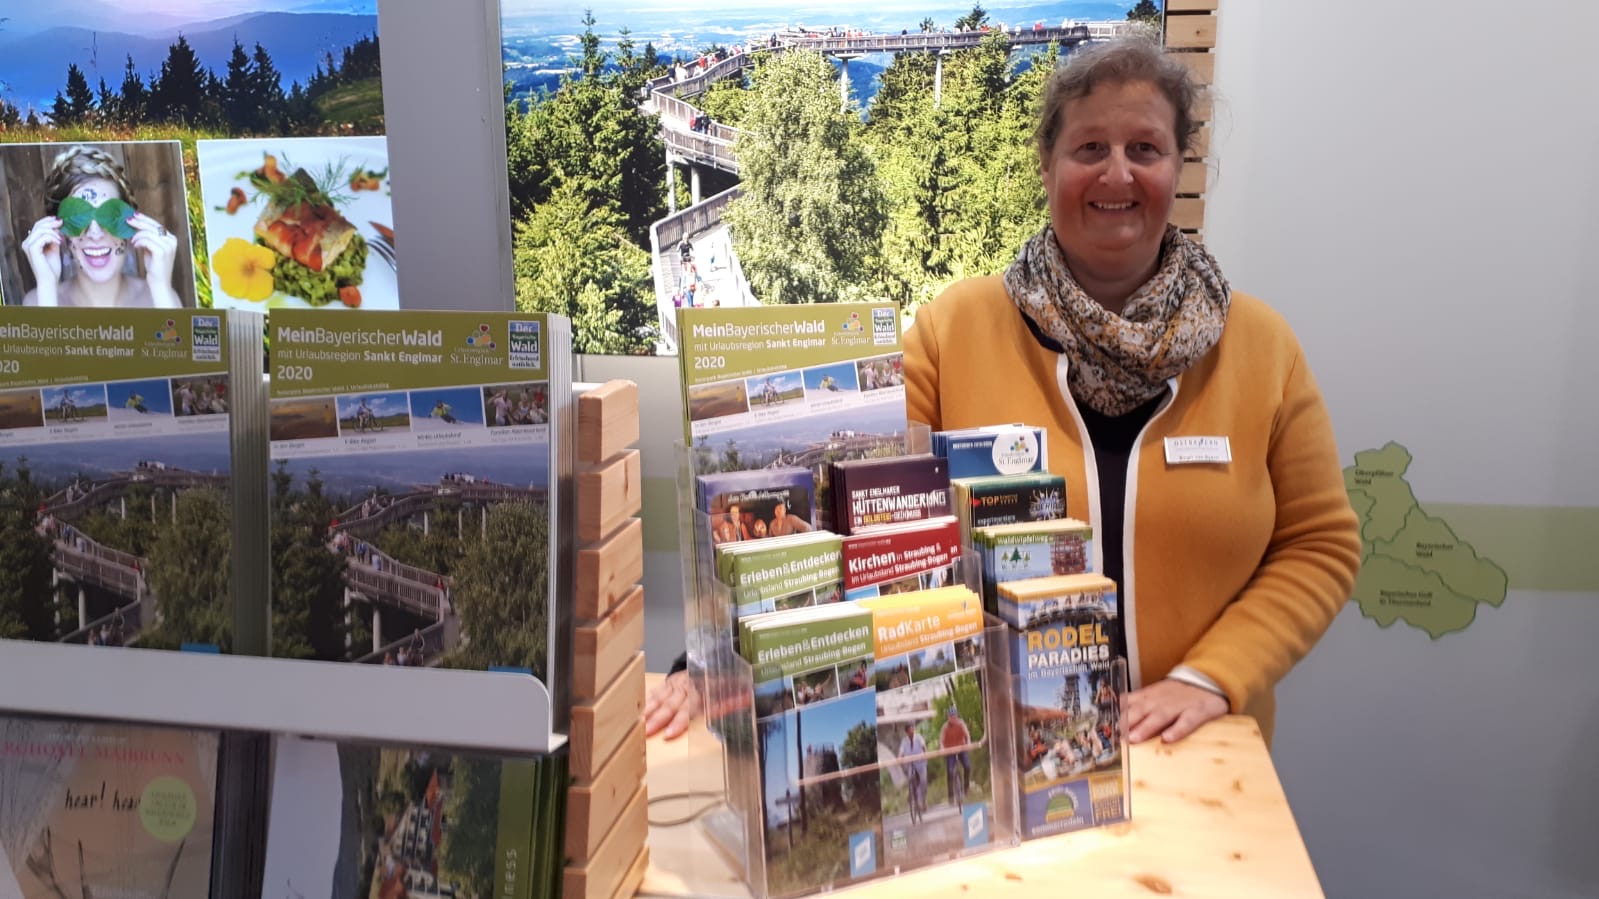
(833, 777)
(831, 781)
(1066, 688)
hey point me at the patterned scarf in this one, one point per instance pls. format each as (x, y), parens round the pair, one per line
(1120, 362)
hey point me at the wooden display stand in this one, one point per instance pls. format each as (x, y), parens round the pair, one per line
(607, 808)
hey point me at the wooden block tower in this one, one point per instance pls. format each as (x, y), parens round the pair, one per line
(607, 810)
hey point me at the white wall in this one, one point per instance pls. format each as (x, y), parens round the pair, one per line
(1415, 186)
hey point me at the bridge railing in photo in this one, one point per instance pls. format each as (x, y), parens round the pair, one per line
(429, 640)
(414, 589)
(862, 43)
(664, 236)
(125, 622)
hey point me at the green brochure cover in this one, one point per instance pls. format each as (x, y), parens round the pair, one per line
(411, 477)
(116, 473)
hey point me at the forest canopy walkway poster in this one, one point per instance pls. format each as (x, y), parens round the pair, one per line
(732, 155)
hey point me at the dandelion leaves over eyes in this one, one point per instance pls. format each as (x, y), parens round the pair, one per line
(77, 214)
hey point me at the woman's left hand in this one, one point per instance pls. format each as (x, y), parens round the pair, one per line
(158, 250)
(1169, 708)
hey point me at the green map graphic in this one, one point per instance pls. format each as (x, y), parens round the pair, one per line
(1413, 567)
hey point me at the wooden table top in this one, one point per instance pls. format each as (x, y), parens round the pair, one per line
(1209, 818)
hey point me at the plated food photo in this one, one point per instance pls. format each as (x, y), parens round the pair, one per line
(299, 222)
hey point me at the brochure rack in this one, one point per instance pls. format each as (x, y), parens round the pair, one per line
(954, 818)
(507, 714)
(979, 817)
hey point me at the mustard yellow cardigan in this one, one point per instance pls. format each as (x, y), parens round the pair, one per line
(1233, 570)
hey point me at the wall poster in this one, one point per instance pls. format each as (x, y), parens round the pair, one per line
(743, 154)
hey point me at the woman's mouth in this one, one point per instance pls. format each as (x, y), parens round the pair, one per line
(1113, 207)
(96, 257)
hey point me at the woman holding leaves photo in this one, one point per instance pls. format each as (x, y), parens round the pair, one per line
(79, 251)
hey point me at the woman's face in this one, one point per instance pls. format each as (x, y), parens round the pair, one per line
(1111, 177)
(97, 254)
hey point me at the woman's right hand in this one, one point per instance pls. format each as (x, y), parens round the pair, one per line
(671, 706)
(43, 247)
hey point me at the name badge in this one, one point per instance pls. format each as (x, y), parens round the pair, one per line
(1198, 450)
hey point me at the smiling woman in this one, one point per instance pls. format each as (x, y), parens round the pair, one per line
(108, 227)
(1121, 336)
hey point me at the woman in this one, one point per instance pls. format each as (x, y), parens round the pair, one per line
(78, 260)
(1120, 334)
(1116, 333)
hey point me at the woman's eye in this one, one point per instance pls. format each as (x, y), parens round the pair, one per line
(1145, 150)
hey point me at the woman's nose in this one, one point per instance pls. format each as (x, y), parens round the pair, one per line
(1118, 170)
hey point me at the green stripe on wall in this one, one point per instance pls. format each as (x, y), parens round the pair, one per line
(1544, 548)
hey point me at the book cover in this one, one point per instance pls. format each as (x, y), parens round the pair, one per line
(1025, 603)
(894, 490)
(416, 462)
(105, 810)
(1069, 740)
(1008, 499)
(767, 575)
(992, 450)
(802, 386)
(1013, 552)
(352, 822)
(122, 436)
(754, 505)
(937, 778)
(920, 555)
(816, 722)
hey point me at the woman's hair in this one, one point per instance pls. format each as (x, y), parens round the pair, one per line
(1128, 59)
(77, 164)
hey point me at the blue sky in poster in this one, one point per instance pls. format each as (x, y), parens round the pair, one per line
(39, 41)
(539, 38)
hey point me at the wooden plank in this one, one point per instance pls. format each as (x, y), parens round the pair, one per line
(613, 861)
(601, 651)
(1189, 6)
(1191, 180)
(1204, 107)
(607, 421)
(607, 572)
(1188, 212)
(591, 809)
(1190, 32)
(607, 495)
(1201, 65)
(600, 725)
(634, 877)
(1200, 146)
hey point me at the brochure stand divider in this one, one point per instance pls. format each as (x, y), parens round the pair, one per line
(334, 700)
(742, 825)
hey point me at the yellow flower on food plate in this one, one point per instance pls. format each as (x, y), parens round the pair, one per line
(245, 269)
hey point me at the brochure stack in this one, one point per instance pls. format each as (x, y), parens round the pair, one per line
(1032, 566)
(421, 461)
(132, 472)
